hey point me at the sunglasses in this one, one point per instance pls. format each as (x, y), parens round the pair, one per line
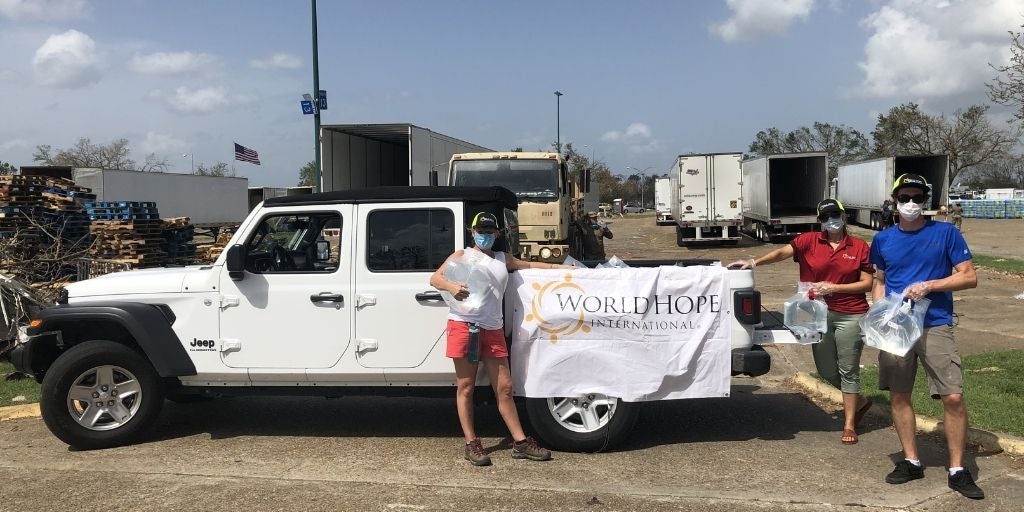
(831, 215)
(917, 198)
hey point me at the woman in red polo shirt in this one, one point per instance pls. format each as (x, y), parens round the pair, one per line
(837, 264)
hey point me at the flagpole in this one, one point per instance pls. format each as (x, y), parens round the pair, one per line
(316, 105)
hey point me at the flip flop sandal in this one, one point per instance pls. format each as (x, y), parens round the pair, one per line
(849, 436)
(859, 415)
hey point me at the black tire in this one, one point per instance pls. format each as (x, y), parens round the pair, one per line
(620, 420)
(84, 363)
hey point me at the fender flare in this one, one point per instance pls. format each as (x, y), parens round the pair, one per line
(148, 324)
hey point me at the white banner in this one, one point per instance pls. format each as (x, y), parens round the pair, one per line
(635, 333)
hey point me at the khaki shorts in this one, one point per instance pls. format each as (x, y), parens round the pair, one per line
(937, 351)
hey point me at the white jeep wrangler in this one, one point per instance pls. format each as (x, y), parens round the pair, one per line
(323, 294)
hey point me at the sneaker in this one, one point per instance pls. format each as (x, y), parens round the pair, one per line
(476, 454)
(963, 483)
(904, 472)
(529, 449)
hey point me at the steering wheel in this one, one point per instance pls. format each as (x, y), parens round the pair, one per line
(282, 260)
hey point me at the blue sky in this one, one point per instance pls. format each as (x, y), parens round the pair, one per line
(643, 81)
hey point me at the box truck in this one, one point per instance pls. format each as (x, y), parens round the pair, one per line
(209, 201)
(781, 194)
(368, 155)
(706, 198)
(663, 201)
(863, 186)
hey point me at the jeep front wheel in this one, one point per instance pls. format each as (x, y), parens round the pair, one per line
(588, 423)
(100, 394)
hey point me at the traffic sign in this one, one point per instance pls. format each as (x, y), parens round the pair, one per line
(307, 107)
(323, 99)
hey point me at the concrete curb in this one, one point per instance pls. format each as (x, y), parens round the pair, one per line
(14, 412)
(990, 441)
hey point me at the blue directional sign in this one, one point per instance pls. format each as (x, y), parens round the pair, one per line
(323, 99)
(307, 107)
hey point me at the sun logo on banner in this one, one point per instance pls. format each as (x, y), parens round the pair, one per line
(554, 330)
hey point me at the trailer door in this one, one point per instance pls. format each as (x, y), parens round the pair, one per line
(725, 187)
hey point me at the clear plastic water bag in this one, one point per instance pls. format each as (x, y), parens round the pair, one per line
(894, 323)
(573, 262)
(613, 262)
(804, 315)
(470, 270)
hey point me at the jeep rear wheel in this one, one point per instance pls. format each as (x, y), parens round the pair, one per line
(100, 394)
(588, 423)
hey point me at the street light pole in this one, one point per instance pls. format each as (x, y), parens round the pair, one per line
(641, 181)
(316, 105)
(558, 121)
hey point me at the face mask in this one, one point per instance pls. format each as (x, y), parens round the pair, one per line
(484, 241)
(909, 210)
(833, 225)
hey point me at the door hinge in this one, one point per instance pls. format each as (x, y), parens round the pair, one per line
(230, 345)
(227, 301)
(365, 300)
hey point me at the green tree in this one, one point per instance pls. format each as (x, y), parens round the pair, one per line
(217, 169)
(307, 174)
(6, 169)
(1007, 88)
(969, 137)
(842, 143)
(115, 155)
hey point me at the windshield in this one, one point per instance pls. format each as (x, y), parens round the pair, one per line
(527, 178)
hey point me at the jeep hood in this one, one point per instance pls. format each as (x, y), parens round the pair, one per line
(134, 282)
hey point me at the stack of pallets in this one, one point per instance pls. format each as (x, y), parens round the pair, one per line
(208, 253)
(178, 234)
(28, 203)
(138, 242)
(20, 197)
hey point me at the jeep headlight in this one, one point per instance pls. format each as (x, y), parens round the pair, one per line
(545, 253)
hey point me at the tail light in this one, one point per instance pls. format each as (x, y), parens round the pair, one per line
(746, 306)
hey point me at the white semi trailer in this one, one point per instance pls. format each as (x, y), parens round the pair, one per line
(863, 186)
(369, 155)
(663, 200)
(781, 194)
(707, 198)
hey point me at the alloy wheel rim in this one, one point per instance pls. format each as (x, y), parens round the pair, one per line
(104, 398)
(583, 414)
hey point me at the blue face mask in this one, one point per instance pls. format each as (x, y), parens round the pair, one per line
(484, 241)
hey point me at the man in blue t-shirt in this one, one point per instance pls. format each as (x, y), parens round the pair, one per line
(918, 259)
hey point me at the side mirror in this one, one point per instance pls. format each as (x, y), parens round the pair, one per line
(323, 250)
(235, 262)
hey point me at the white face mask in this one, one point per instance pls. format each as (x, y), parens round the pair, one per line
(909, 210)
(833, 225)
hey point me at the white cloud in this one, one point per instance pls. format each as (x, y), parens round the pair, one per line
(68, 60)
(277, 61)
(200, 101)
(754, 19)
(636, 137)
(161, 143)
(13, 144)
(162, 63)
(936, 48)
(44, 10)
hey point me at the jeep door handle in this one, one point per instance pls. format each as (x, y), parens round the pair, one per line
(428, 296)
(327, 297)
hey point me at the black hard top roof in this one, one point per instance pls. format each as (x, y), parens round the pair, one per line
(402, 195)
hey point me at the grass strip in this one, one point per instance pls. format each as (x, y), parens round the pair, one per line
(1008, 265)
(993, 391)
(9, 389)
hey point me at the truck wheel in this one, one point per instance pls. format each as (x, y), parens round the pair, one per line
(588, 423)
(100, 394)
(679, 237)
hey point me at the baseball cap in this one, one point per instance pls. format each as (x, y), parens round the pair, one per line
(911, 180)
(484, 220)
(830, 205)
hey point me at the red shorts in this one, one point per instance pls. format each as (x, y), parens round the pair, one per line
(492, 342)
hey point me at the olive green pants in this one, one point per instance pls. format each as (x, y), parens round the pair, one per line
(837, 355)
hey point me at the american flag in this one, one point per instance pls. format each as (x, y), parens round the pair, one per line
(246, 155)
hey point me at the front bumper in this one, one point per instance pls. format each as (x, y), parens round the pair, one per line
(753, 361)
